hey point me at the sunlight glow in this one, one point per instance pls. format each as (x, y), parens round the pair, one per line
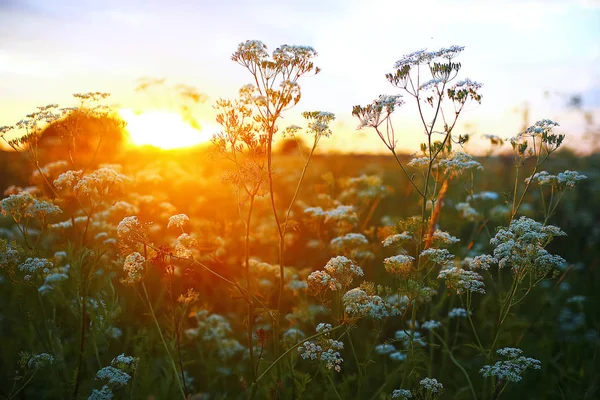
(163, 129)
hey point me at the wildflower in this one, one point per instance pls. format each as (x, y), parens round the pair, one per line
(467, 212)
(402, 394)
(484, 196)
(443, 238)
(184, 246)
(482, 262)
(458, 162)
(341, 213)
(318, 122)
(564, 180)
(133, 268)
(511, 369)
(462, 280)
(419, 162)
(431, 325)
(293, 335)
(34, 265)
(103, 394)
(24, 205)
(131, 231)
(400, 265)
(458, 313)
(431, 386)
(395, 240)
(397, 356)
(40, 361)
(114, 376)
(438, 256)
(521, 248)
(408, 337)
(358, 303)
(324, 349)
(177, 221)
(465, 90)
(415, 58)
(384, 348)
(339, 273)
(348, 242)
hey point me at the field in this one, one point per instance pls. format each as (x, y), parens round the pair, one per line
(258, 267)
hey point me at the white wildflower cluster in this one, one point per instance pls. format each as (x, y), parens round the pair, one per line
(457, 163)
(55, 275)
(404, 336)
(177, 221)
(511, 369)
(33, 265)
(131, 231)
(372, 115)
(483, 261)
(400, 265)
(419, 162)
(347, 243)
(431, 325)
(323, 349)
(402, 394)
(318, 122)
(214, 329)
(25, 206)
(397, 239)
(466, 211)
(441, 238)
(438, 256)
(184, 246)
(363, 188)
(9, 257)
(430, 84)
(458, 313)
(465, 90)
(483, 196)
(293, 335)
(358, 303)
(424, 57)
(430, 387)
(541, 131)
(385, 348)
(564, 180)
(340, 213)
(521, 248)
(97, 184)
(296, 284)
(462, 280)
(113, 376)
(133, 267)
(103, 394)
(41, 360)
(116, 375)
(338, 274)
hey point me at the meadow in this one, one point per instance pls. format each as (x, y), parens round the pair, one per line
(258, 267)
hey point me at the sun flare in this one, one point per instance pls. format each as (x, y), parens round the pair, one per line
(164, 129)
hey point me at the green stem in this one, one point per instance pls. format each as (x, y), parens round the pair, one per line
(176, 372)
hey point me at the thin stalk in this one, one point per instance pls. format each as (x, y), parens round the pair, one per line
(172, 362)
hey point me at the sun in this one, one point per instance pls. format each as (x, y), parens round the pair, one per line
(164, 129)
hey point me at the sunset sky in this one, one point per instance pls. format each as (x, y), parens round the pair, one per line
(518, 49)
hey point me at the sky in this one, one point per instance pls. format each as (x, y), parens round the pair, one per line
(518, 49)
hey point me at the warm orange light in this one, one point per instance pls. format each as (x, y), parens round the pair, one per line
(163, 129)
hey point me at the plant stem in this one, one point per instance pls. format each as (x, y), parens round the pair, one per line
(180, 386)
